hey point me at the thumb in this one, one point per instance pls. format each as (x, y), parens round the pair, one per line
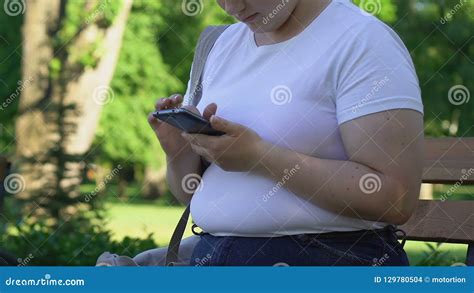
(221, 124)
(210, 110)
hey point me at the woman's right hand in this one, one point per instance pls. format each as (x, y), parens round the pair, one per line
(169, 136)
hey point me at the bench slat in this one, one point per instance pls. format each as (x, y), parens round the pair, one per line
(442, 221)
(448, 159)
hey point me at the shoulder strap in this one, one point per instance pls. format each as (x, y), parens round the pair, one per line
(206, 41)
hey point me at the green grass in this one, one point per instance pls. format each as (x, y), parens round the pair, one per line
(139, 220)
(461, 193)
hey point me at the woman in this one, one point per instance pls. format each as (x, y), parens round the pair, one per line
(322, 154)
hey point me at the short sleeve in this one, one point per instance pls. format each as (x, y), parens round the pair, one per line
(376, 74)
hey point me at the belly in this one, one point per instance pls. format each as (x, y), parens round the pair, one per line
(246, 204)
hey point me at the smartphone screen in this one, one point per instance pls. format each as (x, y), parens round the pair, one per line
(187, 121)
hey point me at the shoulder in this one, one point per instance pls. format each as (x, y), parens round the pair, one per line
(233, 32)
(230, 39)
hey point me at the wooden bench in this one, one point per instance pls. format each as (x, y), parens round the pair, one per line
(447, 161)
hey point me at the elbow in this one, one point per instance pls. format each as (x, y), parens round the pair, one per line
(399, 219)
(397, 216)
(401, 205)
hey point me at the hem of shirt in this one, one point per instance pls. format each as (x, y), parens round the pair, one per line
(391, 103)
(375, 225)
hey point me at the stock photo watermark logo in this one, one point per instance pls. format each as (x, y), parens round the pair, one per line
(14, 183)
(199, 88)
(450, 14)
(47, 280)
(97, 12)
(370, 7)
(281, 95)
(88, 197)
(191, 183)
(275, 11)
(459, 95)
(25, 261)
(285, 178)
(202, 261)
(14, 7)
(466, 173)
(15, 95)
(281, 264)
(370, 183)
(458, 264)
(377, 86)
(103, 95)
(377, 262)
(192, 7)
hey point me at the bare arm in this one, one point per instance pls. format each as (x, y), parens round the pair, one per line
(381, 179)
(184, 164)
(184, 167)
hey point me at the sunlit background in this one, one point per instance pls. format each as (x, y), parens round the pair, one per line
(78, 78)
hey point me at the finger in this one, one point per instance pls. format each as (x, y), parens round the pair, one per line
(210, 110)
(224, 125)
(173, 101)
(154, 123)
(159, 103)
(177, 99)
(199, 150)
(206, 141)
(163, 103)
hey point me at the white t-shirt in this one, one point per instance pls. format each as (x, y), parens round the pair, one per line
(295, 94)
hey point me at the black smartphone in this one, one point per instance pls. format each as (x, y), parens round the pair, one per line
(187, 121)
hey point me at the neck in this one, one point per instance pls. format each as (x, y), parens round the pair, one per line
(304, 13)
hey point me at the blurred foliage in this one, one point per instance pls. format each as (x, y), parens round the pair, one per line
(140, 76)
(77, 242)
(439, 36)
(158, 48)
(154, 62)
(434, 256)
(10, 76)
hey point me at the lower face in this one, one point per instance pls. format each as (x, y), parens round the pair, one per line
(260, 15)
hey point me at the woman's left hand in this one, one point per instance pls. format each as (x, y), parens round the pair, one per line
(238, 150)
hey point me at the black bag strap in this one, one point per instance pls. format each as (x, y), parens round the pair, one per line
(206, 41)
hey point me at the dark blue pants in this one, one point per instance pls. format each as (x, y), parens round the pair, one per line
(359, 248)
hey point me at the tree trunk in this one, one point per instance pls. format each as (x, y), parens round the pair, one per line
(58, 114)
(154, 182)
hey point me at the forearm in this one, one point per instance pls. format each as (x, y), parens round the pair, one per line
(178, 166)
(343, 187)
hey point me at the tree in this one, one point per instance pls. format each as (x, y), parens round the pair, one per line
(154, 62)
(70, 49)
(10, 75)
(439, 37)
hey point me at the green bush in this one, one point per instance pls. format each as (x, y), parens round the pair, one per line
(77, 242)
(433, 256)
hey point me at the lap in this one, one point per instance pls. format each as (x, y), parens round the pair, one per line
(335, 249)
